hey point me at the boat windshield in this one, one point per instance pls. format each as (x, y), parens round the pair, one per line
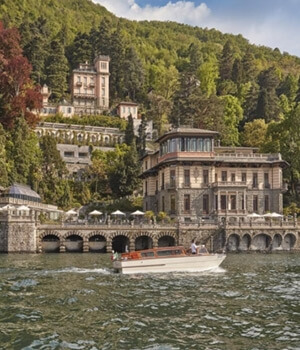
(169, 252)
(147, 254)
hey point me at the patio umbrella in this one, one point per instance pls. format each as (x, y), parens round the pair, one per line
(273, 215)
(138, 212)
(23, 207)
(95, 213)
(8, 206)
(118, 212)
(71, 212)
(253, 215)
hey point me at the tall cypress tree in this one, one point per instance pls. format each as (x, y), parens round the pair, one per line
(57, 70)
(129, 132)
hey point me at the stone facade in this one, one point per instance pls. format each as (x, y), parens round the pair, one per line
(189, 178)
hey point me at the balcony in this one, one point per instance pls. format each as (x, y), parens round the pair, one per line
(222, 184)
(92, 85)
(78, 83)
(88, 96)
(170, 186)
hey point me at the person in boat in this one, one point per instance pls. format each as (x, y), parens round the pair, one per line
(194, 248)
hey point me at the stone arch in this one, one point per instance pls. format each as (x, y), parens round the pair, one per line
(73, 233)
(47, 233)
(166, 239)
(50, 243)
(73, 242)
(97, 242)
(120, 241)
(233, 242)
(143, 242)
(289, 241)
(277, 241)
(245, 242)
(261, 241)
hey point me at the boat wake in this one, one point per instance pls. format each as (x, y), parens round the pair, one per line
(78, 270)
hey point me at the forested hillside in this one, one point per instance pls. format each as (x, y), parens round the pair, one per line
(177, 73)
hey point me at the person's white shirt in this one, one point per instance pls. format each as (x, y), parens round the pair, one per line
(194, 248)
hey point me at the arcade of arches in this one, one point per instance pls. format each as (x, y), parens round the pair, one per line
(102, 243)
(106, 241)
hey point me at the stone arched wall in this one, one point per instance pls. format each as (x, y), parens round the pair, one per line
(165, 233)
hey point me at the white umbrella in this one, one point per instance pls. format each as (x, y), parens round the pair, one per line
(118, 212)
(95, 212)
(23, 207)
(254, 215)
(273, 215)
(138, 212)
(8, 206)
(71, 212)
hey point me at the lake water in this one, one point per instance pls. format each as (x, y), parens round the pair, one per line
(75, 301)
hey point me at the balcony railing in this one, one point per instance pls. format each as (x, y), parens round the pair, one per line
(229, 184)
(92, 96)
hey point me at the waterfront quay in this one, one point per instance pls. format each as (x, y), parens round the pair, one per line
(21, 232)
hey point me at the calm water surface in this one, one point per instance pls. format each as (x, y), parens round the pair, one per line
(75, 301)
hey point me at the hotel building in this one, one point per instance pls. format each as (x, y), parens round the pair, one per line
(190, 178)
(90, 87)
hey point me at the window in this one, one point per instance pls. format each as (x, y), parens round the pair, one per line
(147, 255)
(233, 177)
(243, 203)
(172, 178)
(156, 186)
(69, 110)
(233, 202)
(216, 177)
(103, 65)
(223, 202)
(216, 202)
(266, 180)
(103, 92)
(267, 203)
(173, 204)
(146, 165)
(205, 176)
(205, 204)
(187, 177)
(187, 202)
(255, 203)
(146, 188)
(85, 80)
(69, 154)
(224, 176)
(255, 180)
(79, 78)
(244, 177)
(163, 203)
(103, 81)
(124, 109)
(82, 155)
(163, 181)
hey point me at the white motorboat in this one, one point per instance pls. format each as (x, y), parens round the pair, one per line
(166, 259)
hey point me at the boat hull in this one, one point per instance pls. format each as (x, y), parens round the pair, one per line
(192, 263)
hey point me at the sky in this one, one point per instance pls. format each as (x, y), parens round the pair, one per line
(273, 23)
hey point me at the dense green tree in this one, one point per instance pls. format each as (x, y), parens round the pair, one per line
(254, 134)
(124, 171)
(23, 153)
(135, 74)
(117, 65)
(142, 136)
(101, 39)
(289, 87)
(237, 71)
(195, 57)
(80, 51)
(233, 114)
(249, 67)
(159, 110)
(129, 131)
(185, 105)
(227, 61)
(208, 74)
(35, 38)
(53, 171)
(57, 71)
